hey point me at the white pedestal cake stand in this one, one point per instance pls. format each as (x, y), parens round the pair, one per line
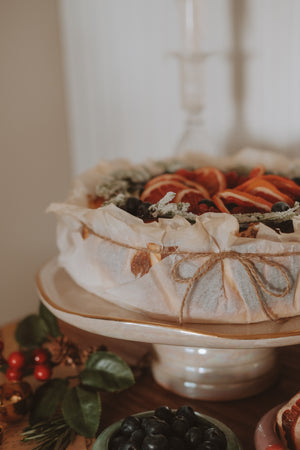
(204, 361)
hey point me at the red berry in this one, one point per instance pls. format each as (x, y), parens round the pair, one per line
(42, 372)
(13, 374)
(16, 360)
(40, 356)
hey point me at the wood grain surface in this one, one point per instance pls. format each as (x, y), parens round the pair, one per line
(240, 415)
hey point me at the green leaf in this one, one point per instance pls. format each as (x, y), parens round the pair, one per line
(31, 331)
(50, 320)
(82, 410)
(106, 371)
(46, 399)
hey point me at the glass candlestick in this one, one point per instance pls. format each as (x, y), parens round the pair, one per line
(195, 137)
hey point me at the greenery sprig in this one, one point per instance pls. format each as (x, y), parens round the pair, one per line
(64, 407)
(54, 435)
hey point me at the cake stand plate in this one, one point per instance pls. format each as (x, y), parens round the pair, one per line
(204, 361)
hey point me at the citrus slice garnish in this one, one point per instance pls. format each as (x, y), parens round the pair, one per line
(165, 177)
(264, 189)
(175, 177)
(191, 196)
(185, 173)
(240, 198)
(157, 191)
(285, 185)
(257, 171)
(211, 178)
(232, 179)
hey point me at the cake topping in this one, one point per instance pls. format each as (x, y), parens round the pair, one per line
(254, 197)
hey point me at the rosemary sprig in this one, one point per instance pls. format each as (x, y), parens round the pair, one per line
(50, 435)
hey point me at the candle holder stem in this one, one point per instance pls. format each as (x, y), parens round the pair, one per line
(195, 136)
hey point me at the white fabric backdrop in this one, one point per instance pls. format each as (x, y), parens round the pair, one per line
(123, 85)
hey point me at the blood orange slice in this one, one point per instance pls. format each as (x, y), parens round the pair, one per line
(211, 178)
(175, 177)
(157, 191)
(264, 189)
(165, 177)
(232, 179)
(185, 173)
(241, 199)
(257, 171)
(191, 196)
(285, 185)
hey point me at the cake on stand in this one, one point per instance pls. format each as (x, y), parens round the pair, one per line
(204, 361)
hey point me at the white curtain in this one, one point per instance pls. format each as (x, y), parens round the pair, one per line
(123, 83)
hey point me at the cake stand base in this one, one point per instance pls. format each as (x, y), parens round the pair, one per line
(214, 374)
(203, 361)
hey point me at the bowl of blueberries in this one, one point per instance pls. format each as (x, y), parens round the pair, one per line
(168, 429)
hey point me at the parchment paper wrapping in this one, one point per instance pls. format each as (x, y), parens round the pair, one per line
(203, 272)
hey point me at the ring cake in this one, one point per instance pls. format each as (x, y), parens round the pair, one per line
(188, 239)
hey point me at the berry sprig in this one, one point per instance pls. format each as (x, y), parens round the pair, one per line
(42, 347)
(20, 363)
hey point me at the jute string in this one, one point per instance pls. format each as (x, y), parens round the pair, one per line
(247, 260)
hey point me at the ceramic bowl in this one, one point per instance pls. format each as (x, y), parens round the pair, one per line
(102, 441)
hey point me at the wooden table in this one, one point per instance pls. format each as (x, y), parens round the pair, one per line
(240, 415)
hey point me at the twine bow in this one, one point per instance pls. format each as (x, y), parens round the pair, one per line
(247, 260)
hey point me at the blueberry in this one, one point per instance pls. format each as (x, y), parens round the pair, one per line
(296, 180)
(137, 437)
(143, 210)
(154, 425)
(194, 436)
(216, 436)
(129, 425)
(180, 425)
(188, 413)
(164, 413)
(286, 227)
(155, 442)
(177, 443)
(132, 204)
(128, 446)
(280, 206)
(116, 442)
(207, 445)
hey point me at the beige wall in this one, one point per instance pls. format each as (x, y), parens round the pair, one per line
(34, 167)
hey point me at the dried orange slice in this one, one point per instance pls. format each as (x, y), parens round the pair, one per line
(259, 186)
(285, 185)
(211, 178)
(232, 179)
(191, 196)
(241, 199)
(175, 177)
(257, 171)
(165, 177)
(157, 191)
(185, 173)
